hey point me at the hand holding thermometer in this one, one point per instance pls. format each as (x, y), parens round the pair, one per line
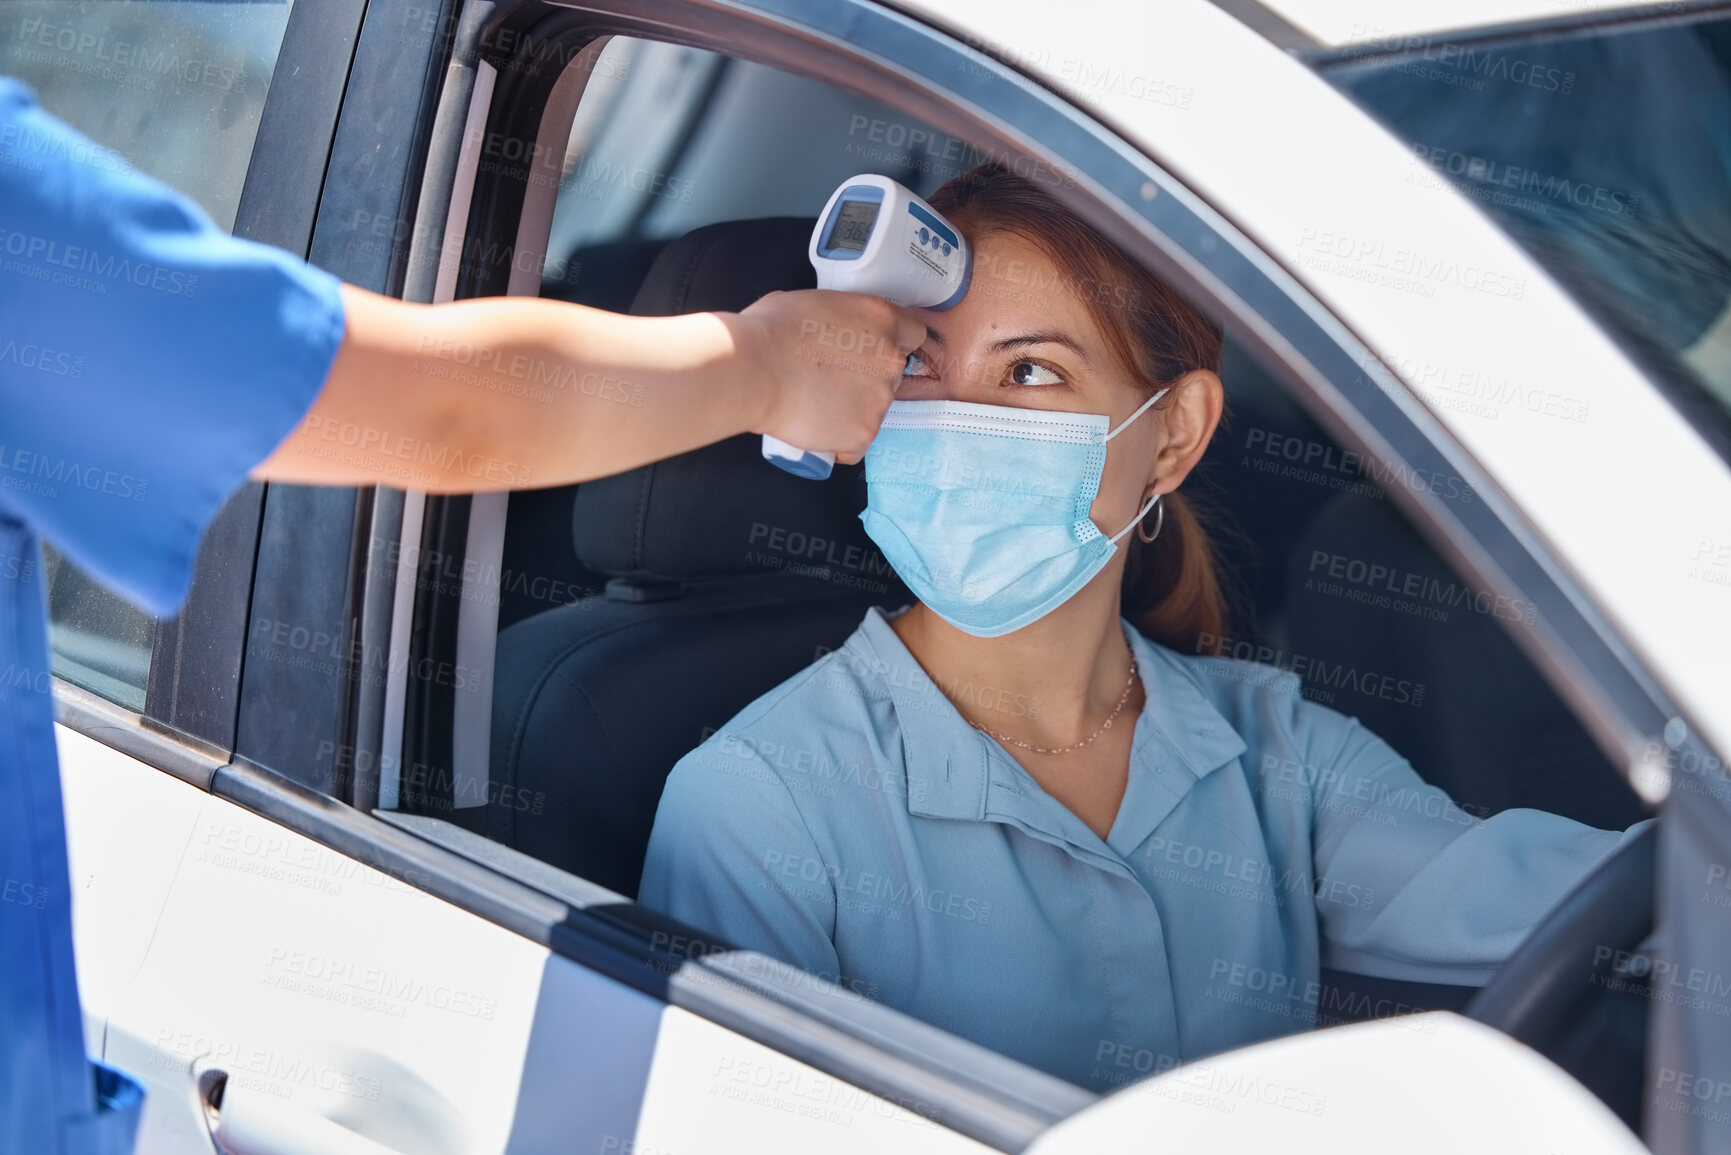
(877, 237)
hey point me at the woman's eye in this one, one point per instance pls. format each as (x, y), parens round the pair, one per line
(1033, 373)
(916, 367)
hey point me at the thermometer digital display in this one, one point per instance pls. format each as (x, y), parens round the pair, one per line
(851, 226)
(875, 236)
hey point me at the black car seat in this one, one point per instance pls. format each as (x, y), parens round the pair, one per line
(726, 576)
(1489, 729)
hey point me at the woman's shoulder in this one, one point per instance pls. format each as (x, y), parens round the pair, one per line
(1262, 692)
(1237, 677)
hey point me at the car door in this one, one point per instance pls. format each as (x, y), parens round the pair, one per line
(1423, 464)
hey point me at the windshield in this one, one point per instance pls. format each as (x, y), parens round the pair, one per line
(1606, 152)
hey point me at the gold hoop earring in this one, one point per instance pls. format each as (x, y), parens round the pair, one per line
(1159, 522)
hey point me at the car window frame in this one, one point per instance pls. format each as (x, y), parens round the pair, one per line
(311, 566)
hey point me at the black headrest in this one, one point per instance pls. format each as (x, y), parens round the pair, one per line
(723, 511)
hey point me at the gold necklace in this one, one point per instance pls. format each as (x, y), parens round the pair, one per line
(1089, 740)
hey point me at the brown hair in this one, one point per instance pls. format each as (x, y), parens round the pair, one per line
(1172, 589)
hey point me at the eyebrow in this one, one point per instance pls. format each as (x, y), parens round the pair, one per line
(1019, 342)
(1026, 339)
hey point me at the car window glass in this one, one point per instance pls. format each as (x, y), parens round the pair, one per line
(175, 89)
(669, 138)
(1557, 136)
(97, 640)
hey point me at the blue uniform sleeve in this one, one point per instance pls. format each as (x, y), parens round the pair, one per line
(730, 853)
(1451, 895)
(148, 360)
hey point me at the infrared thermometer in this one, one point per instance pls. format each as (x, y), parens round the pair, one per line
(874, 236)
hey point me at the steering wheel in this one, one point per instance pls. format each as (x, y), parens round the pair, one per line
(1537, 994)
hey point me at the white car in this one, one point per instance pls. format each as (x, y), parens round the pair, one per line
(354, 837)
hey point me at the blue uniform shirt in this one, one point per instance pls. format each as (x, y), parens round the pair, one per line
(852, 823)
(147, 361)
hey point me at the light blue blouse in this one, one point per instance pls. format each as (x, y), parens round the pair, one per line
(850, 822)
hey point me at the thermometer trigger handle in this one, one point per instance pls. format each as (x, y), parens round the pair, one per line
(797, 461)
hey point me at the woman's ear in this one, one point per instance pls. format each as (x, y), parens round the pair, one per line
(1190, 421)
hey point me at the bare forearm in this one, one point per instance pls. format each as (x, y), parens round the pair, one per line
(500, 394)
(512, 393)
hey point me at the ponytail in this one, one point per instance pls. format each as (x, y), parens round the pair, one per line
(1171, 589)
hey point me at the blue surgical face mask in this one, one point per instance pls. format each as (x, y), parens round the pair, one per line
(983, 509)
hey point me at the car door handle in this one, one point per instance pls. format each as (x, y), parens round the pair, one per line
(248, 1122)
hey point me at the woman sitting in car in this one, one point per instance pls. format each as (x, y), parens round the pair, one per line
(1126, 853)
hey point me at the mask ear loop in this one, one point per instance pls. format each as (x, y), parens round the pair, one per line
(1152, 501)
(1141, 409)
(1137, 520)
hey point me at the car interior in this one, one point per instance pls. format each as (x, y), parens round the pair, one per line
(688, 588)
